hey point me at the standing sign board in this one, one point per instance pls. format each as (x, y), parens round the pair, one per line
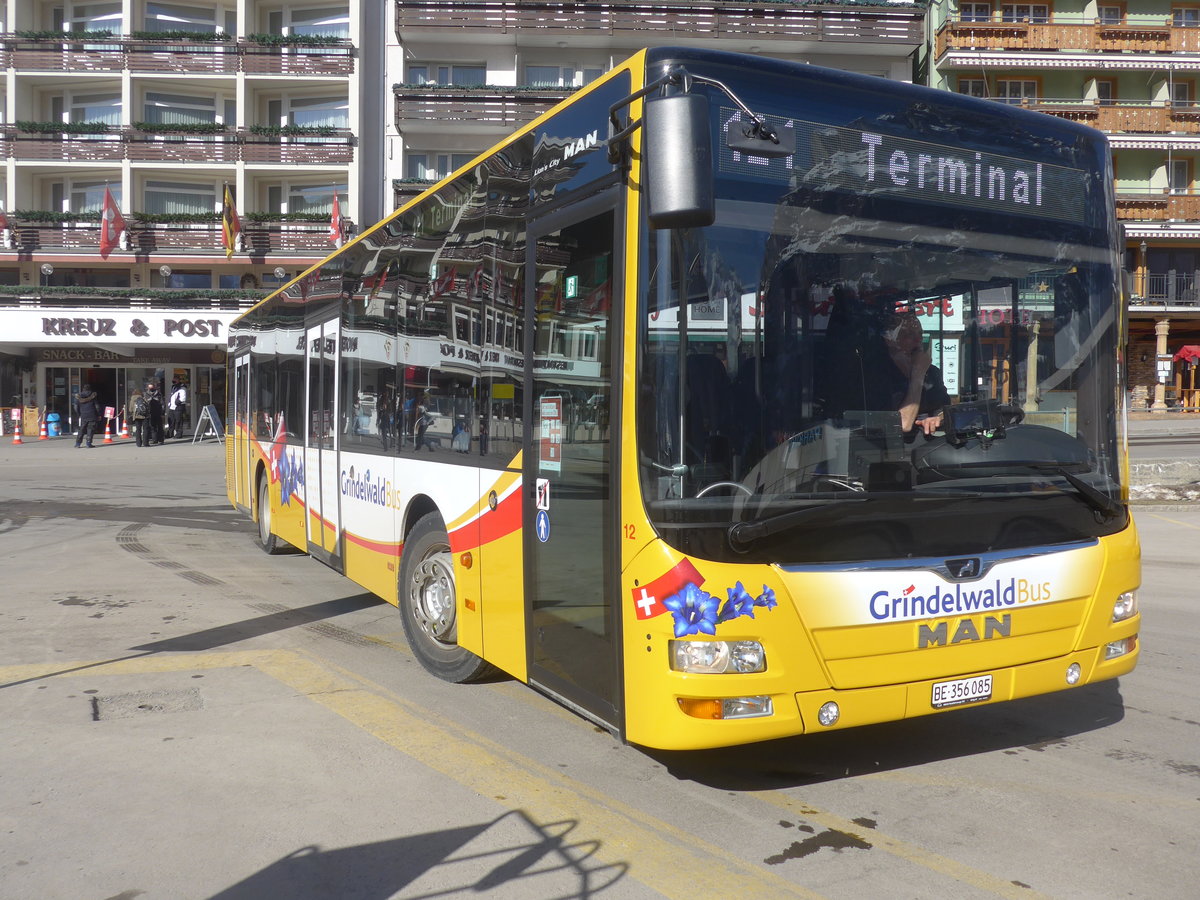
(209, 425)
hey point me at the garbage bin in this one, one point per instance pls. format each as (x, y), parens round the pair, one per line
(52, 424)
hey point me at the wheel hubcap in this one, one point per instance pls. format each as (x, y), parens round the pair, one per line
(433, 597)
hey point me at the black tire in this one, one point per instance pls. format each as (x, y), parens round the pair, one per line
(427, 604)
(266, 540)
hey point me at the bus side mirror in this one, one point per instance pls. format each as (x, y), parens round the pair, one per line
(677, 150)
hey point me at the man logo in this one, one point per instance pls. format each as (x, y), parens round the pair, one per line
(963, 568)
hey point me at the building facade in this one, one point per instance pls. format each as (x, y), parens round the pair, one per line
(465, 74)
(166, 106)
(1130, 69)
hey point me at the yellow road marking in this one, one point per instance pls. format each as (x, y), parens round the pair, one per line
(1175, 521)
(659, 855)
(901, 849)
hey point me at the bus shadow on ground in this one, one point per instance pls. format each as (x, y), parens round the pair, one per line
(1034, 724)
(272, 622)
(512, 852)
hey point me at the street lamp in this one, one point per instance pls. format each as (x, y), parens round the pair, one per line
(47, 271)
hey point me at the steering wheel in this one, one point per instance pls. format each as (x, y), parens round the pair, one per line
(721, 484)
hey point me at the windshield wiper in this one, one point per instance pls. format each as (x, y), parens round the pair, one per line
(743, 534)
(1099, 501)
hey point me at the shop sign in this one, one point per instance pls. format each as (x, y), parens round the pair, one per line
(66, 326)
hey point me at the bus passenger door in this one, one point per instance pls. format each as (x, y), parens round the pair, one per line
(321, 441)
(573, 636)
(240, 445)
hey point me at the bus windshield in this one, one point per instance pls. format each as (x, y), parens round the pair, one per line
(897, 342)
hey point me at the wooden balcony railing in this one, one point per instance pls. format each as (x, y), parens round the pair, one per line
(670, 19)
(237, 145)
(307, 239)
(1124, 116)
(1137, 204)
(482, 105)
(1066, 32)
(181, 57)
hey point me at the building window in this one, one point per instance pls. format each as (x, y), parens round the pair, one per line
(435, 166)
(324, 21)
(972, 87)
(1012, 90)
(73, 196)
(1179, 176)
(93, 17)
(1186, 17)
(178, 17)
(179, 109)
(975, 12)
(1181, 93)
(1110, 15)
(458, 75)
(560, 76)
(315, 200)
(69, 107)
(1038, 13)
(177, 198)
(1106, 91)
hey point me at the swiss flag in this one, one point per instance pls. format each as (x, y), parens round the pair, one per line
(648, 599)
(278, 446)
(335, 223)
(112, 223)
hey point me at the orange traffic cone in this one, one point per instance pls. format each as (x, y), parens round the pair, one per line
(17, 433)
(108, 439)
(42, 436)
(124, 435)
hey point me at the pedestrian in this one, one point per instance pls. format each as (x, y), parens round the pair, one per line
(177, 409)
(136, 410)
(423, 421)
(87, 405)
(154, 414)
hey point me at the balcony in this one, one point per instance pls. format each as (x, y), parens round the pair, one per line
(501, 106)
(118, 54)
(1149, 205)
(1067, 32)
(333, 147)
(665, 21)
(1123, 116)
(259, 239)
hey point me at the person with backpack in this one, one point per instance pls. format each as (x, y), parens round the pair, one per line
(136, 411)
(87, 404)
(177, 409)
(154, 414)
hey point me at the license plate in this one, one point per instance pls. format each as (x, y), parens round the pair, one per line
(964, 690)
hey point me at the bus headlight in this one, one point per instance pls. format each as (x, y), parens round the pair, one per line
(715, 657)
(1126, 606)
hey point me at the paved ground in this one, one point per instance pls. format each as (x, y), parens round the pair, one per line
(182, 716)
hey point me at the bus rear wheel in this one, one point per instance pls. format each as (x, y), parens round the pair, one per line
(269, 542)
(428, 604)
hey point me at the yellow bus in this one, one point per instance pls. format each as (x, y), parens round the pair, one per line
(730, 399)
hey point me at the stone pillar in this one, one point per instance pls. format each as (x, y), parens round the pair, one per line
(1161, 329)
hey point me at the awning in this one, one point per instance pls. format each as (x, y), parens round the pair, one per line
(1189, 353)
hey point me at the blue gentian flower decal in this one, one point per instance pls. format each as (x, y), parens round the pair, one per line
(695, 611)
(739, 603)
(766, 598)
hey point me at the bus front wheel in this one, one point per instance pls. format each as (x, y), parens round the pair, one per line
(428, 604)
